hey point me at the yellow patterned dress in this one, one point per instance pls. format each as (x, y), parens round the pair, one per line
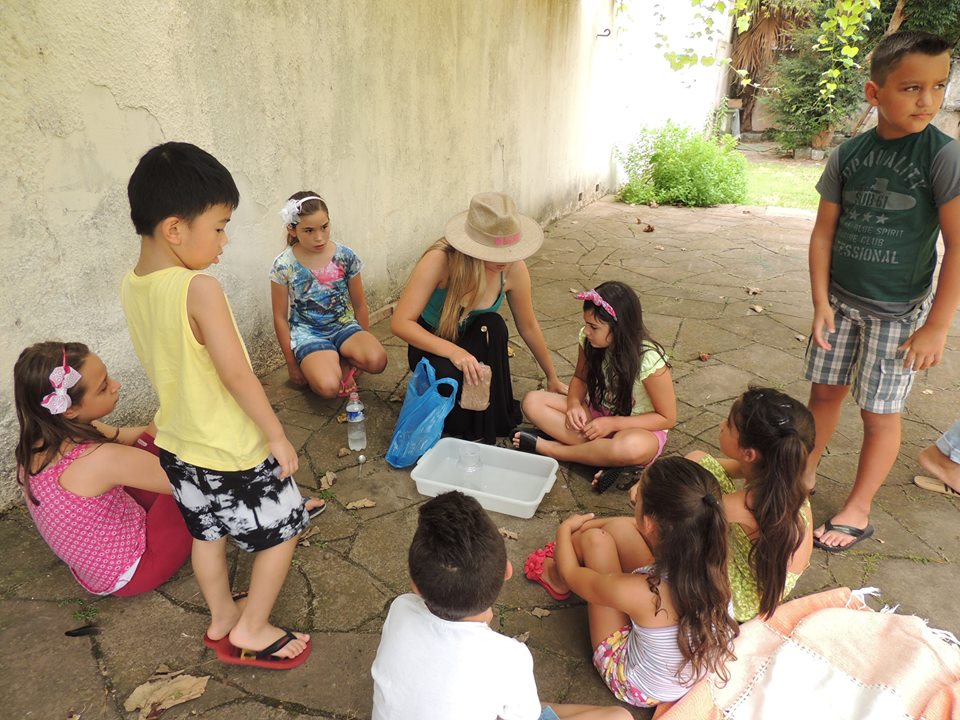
(743, 581)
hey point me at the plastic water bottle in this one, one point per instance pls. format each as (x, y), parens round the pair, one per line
(356, 430)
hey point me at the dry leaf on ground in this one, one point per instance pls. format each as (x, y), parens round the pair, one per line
(343, 452)
(361, 503)
(306, 535)
(164, 690)
(658, 247)
(328, 480)
(510, 351)
(927, 391)
(539, 612)
(704, 356)
(522, 637)
(508, 534)
(342, 418)
(753, 291)
(757, 308)
(653, 204)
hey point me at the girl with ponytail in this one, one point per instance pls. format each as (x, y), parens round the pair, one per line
(766, 439)
(657, 593)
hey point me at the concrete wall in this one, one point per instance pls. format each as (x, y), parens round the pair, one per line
(397, 112)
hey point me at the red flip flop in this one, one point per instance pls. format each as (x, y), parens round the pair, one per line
(221, 646)
(265, 658)
(533, 569)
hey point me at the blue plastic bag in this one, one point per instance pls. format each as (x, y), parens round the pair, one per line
(421, 418)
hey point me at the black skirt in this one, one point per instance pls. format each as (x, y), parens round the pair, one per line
(486, 339)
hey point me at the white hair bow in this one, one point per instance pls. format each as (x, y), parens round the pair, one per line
(290, 212)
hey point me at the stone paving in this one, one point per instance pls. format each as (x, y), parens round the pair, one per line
(693, 273)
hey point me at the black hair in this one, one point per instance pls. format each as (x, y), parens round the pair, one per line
(684, 500)
(781, 430)
(625, 353)
(457, 558)
(892, 49)
(177, 179)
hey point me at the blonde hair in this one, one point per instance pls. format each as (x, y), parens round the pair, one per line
(466, 280)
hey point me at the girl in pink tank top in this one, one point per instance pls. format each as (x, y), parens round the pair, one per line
(102, 506)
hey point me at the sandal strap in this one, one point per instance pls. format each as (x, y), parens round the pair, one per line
(275, 646)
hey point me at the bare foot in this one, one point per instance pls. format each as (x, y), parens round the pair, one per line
(243, 638)
(835, 538)
(552, 576)
(218, 629)
(940, 466)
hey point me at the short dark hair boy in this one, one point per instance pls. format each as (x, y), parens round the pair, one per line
(886, 195)
(893, 48)
(177, 179)
(457, 558)
(438, 656)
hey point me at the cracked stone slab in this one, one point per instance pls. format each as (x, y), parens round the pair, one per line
(54, 675)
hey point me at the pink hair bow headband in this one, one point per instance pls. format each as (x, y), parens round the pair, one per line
(594, 297)
(62, 379)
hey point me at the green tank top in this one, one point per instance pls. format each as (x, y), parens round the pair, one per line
(743, 581)
(431, 312)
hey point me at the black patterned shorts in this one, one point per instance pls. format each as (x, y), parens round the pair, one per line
(254, 507)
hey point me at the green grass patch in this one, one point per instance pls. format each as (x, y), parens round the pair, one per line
(784, 184)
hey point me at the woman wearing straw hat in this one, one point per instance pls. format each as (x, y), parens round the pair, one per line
(448, 310)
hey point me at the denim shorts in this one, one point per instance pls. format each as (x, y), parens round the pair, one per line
(865, 356)
(254, 507)
(548, 714)
(316, 343)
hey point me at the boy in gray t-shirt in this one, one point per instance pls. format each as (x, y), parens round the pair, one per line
(885, 197)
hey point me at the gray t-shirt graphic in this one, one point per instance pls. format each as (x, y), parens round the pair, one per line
(885, 246)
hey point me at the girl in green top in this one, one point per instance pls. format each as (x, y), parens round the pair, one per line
(766, 440)
(621, 401)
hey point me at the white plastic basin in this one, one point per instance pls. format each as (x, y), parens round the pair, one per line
(507, 481)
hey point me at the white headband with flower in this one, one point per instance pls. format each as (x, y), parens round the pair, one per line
(62, 379)
(290, 212)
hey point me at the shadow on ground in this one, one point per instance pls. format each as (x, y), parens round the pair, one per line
(694, 273)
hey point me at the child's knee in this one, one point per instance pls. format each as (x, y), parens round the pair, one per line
(326, 387)
(377, 362)
(827, 394)
(531, 402)
(595, 537)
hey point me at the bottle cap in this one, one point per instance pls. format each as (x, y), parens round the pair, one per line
(354, 395)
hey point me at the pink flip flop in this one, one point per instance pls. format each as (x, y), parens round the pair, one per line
(348, 384)
(533, 569)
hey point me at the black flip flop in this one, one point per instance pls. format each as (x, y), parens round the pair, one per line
(629, 474)
(528, 442)
(316, 511)
(858, 535)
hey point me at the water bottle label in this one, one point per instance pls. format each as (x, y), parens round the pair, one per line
(354, 416)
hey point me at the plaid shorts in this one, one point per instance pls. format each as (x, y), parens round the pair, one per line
(865, 356)
(254, 507)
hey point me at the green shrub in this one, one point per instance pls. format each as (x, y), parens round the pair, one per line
(799, 112)
(677, 165)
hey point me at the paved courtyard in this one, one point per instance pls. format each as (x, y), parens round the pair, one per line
(724, 289)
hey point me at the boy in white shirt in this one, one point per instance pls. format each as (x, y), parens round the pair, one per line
(438, 656)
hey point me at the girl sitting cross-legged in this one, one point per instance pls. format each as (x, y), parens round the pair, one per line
(621, 401)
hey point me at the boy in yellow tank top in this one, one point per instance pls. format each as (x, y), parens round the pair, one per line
(222, 446)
